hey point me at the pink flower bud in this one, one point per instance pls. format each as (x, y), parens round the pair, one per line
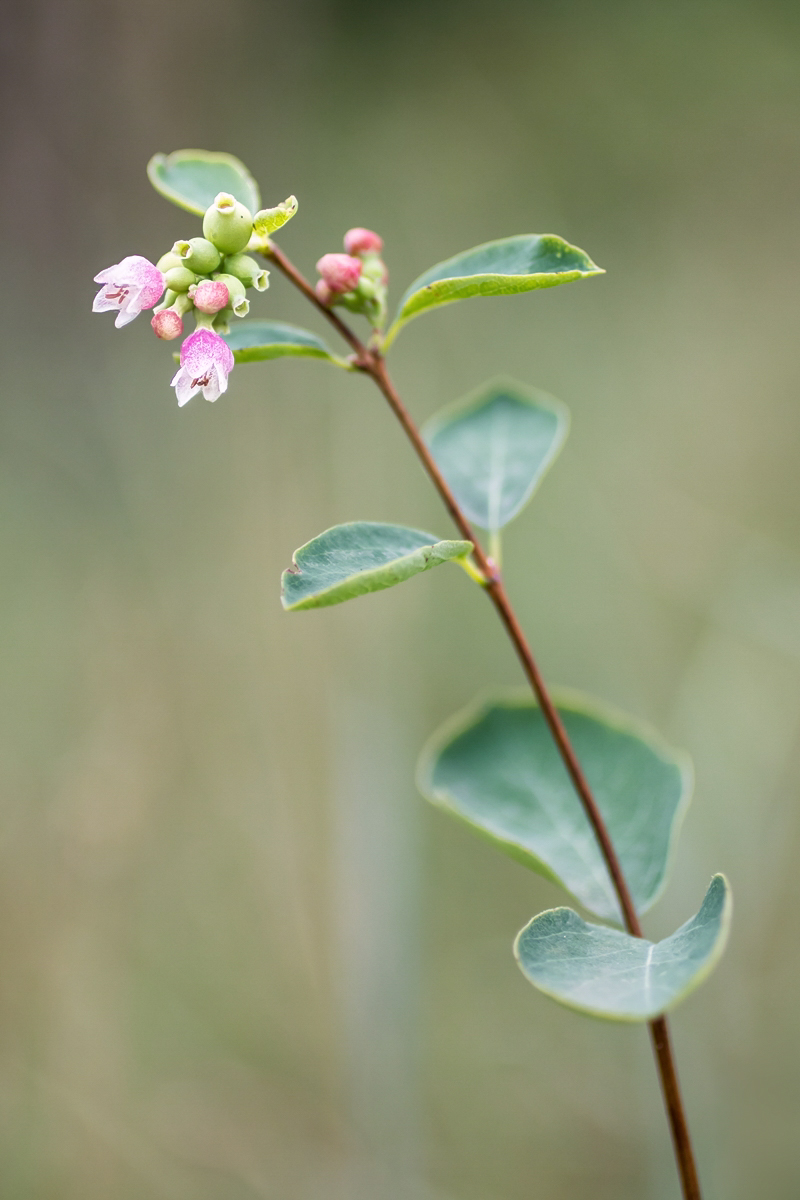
(324, 293)
(167, 324)
(341, 272)
(210, 296)
(362, 241)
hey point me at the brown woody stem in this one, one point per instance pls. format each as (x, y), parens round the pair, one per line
(372, 363)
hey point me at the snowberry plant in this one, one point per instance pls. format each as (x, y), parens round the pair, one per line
(572, 789)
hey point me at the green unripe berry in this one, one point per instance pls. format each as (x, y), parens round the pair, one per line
(373, 267)
(351, 301)
(238, 300)
(247, 269)
(366, 288)
(180, 279)
(228, 224)
(199, 255)
(168, 261)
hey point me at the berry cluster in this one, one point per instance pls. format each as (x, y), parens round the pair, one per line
(209, 276)
(206, 275)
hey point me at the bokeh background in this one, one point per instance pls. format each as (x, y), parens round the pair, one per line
(240, 956)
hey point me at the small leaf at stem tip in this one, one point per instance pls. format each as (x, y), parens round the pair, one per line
(495, 446)
(606, 973)
(501, 268)
(268, 220)
(362, 556)
(495, 767)
(257, 341)
(193, 178)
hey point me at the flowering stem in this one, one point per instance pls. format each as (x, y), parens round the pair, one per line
(372, 363)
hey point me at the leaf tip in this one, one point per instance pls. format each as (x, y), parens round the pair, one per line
(154, 163)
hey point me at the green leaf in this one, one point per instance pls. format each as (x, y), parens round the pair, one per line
(611, 974)
(363, 556)
(256, 341)
(501, 268)
(496, 767)
(192, 178)
(268, 220)
(495, 446)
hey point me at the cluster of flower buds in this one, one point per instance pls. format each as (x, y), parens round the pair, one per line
(208, 276)
(356, 279)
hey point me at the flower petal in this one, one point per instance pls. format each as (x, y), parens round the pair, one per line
(217, 384)
(102, 303)
(125, 316)
(183, 387)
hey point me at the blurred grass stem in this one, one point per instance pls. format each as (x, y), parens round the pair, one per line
(372, 363)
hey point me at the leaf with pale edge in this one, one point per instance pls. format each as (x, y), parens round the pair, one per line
(193, 178)
(496, 767)
(268, 220)
(363, 556)
(610, 974)
(256, 341)
(501, 268)
(495, 446)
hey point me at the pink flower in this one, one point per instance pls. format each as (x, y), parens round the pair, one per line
(129, 286)
(324, 293)
(210, 296)
(362, 241)
(167, 324)
(206, 362)
(341, 272)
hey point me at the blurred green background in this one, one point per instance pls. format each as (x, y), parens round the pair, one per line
(240, 957)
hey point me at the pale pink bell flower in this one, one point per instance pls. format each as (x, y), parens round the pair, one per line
(130, 287)
(341, 272)
(206, 363)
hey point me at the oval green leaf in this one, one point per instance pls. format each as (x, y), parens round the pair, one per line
(495, 446)
(610, 974)
(362, 556)
(257, 341)
(496, 767)
(501, 268)
(192, 178)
